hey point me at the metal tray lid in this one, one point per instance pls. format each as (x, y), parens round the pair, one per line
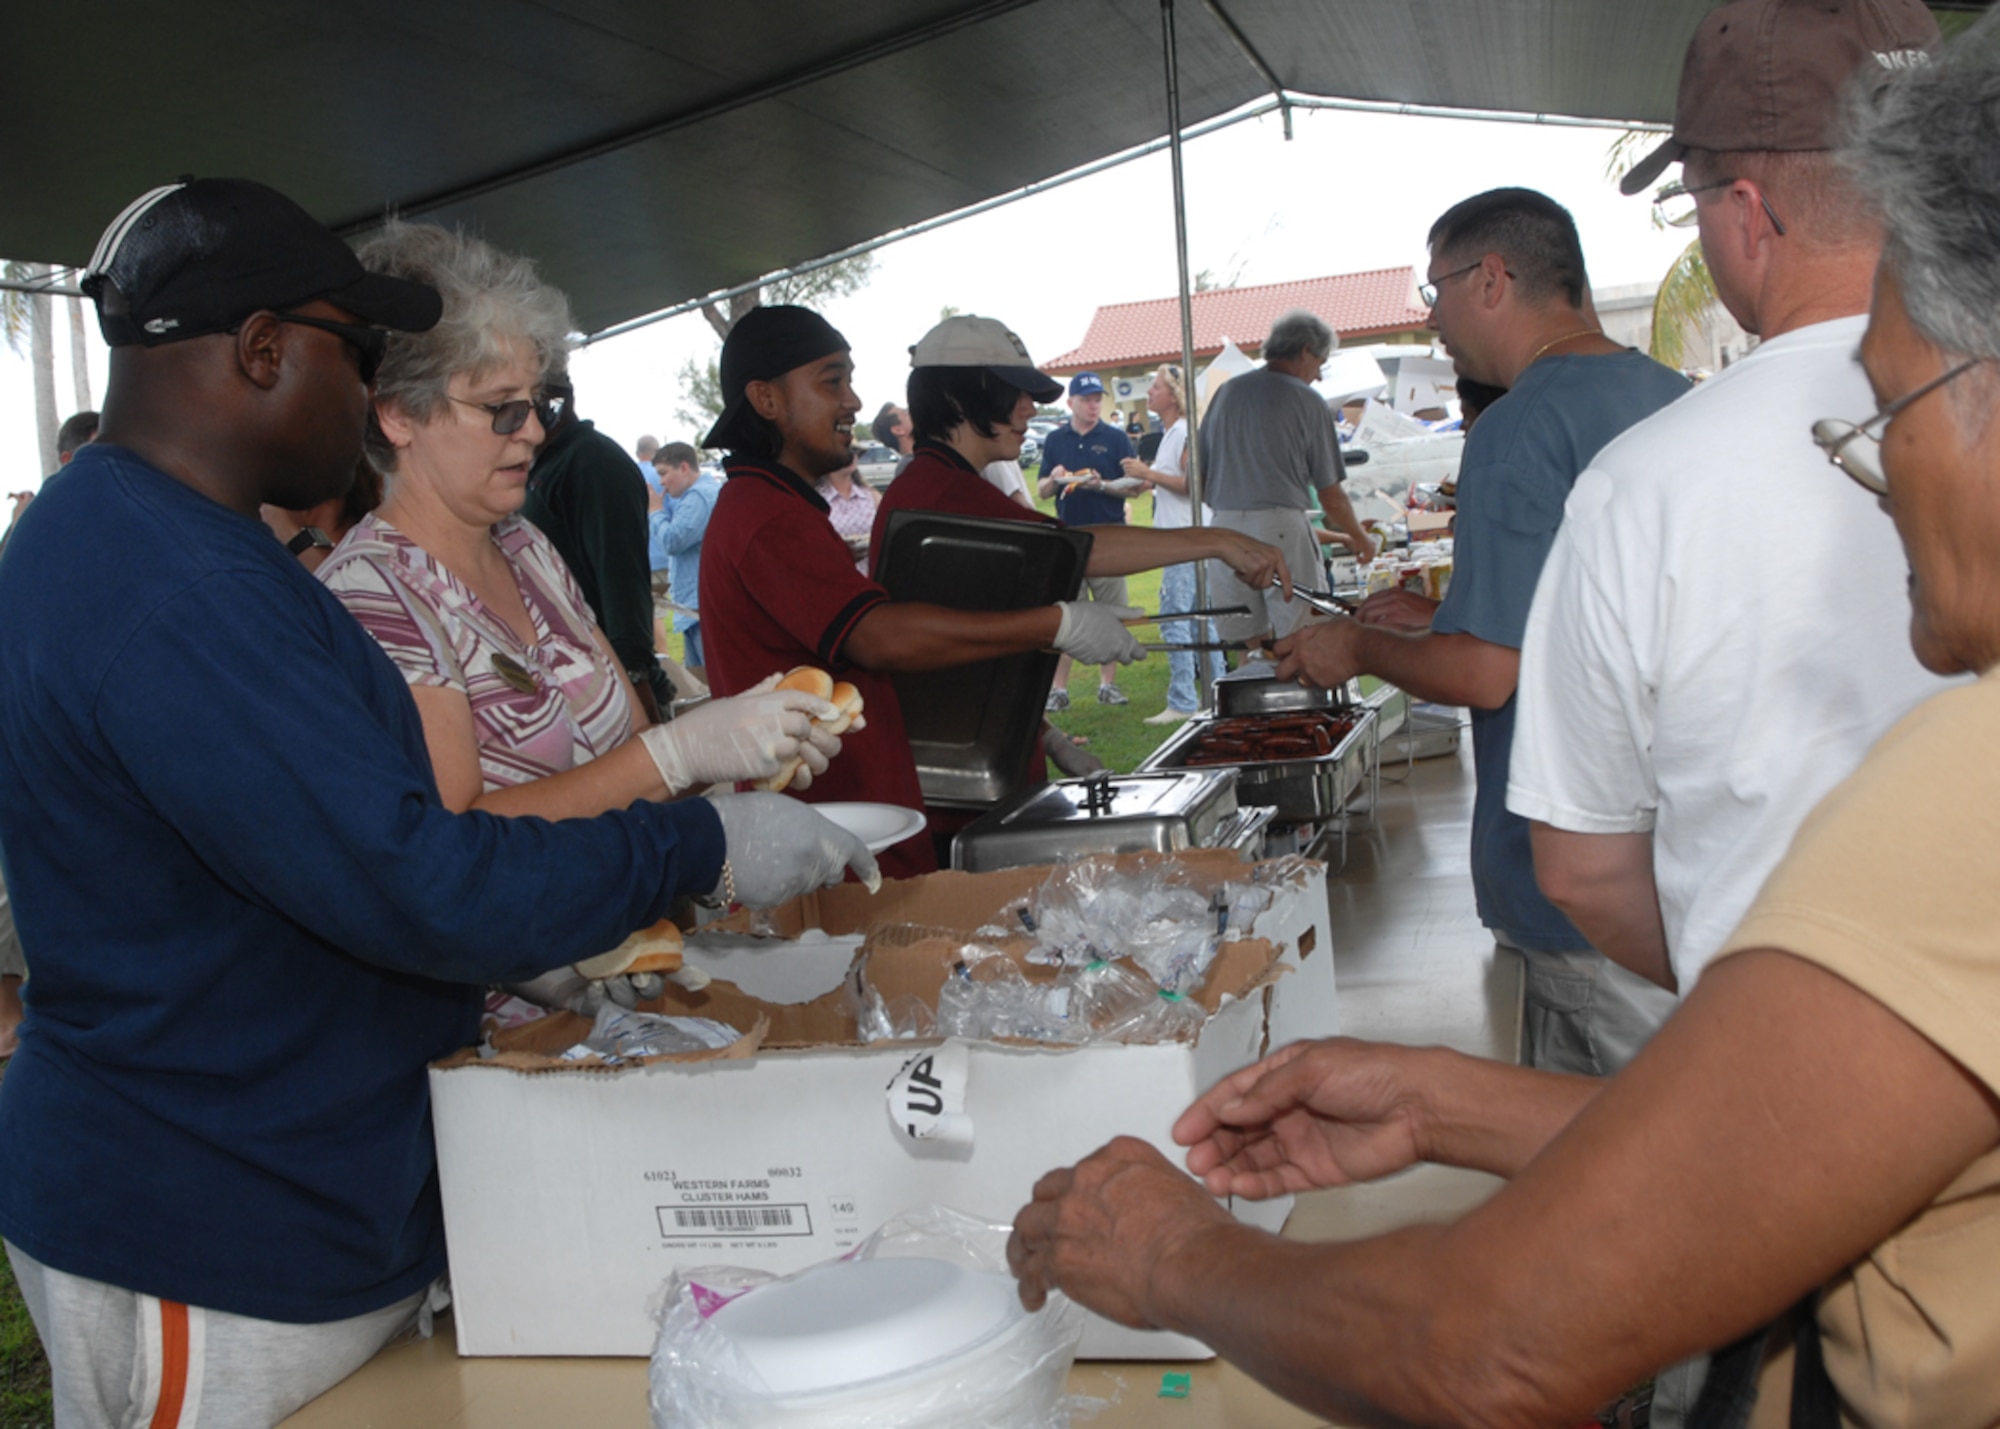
(971, 727)
(1106, 813)
(1169, 795)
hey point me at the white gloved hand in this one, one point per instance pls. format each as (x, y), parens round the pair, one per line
(778, 848)
(1091, 634)
(752, 736)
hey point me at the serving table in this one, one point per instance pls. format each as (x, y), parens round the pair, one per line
(1412, 964)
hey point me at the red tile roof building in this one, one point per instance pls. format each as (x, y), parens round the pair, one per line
(1373, 306)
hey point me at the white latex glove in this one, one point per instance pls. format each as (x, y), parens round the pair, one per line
(1091, 634)
(778, 848)
(752, 736)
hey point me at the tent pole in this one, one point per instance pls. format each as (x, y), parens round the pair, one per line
(1190, 463)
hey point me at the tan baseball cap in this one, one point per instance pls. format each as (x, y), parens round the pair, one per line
(1770, 75)
(968, 341)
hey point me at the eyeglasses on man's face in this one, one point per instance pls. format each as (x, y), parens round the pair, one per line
(1857, 448)
(1429, 291)
(1677, 206)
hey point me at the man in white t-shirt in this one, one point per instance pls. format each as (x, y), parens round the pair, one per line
(1007, 477)
(1720, 632)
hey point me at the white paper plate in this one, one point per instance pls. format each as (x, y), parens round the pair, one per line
(851, 1321)
(877, 825)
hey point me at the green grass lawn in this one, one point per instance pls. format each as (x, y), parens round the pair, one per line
(24, 1372)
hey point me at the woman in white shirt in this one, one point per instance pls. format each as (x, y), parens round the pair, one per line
(1171, 510)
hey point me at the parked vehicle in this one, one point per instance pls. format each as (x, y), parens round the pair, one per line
(877, 465)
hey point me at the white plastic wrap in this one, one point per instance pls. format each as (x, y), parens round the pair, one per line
(986, 996)
(1011, 1380)
(1092, 911)
(618, 1035)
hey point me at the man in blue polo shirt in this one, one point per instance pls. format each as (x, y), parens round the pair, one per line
(254, 922)
(1079, 461)
(1508, 294)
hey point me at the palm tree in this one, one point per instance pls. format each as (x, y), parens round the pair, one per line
(27, 314)
(79, 355)
(1687, 290)
(701, 383)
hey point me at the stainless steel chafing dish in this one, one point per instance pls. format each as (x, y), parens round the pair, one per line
(1111, 813)
(1301, 790)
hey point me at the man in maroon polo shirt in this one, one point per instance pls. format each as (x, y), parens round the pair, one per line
(779, 587)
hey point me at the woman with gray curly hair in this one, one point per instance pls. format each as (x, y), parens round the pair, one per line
(525, 708)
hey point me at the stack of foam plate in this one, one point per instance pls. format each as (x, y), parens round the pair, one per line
(895, 1344)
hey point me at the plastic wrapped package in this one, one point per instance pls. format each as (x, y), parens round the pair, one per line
(1114, 1004)
(619, 1034)
(984, 995)
(1092, 911)
(988, 996)
(919, 1328)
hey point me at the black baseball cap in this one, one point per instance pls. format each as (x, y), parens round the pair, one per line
(199, 256)
(766, 343)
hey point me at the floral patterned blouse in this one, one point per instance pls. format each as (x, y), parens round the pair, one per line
(536, 709)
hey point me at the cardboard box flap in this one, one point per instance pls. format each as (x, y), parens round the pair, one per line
(913, 960)
(972, 900)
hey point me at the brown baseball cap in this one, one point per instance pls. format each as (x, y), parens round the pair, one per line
(1769, 75)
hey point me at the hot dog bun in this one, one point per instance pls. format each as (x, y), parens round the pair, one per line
(812, 681)
(849, 700)
(657, 949)
(778, 782)
(817, 682)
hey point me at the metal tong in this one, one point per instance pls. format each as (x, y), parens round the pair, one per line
(1169, 616)
(1325, 602)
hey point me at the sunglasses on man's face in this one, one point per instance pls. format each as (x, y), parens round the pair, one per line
(370, 342)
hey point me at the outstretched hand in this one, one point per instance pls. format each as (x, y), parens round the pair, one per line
(1311, 1115)
(1325, 655)
(1397, 609)
(1257, 564)
(1099, 1230)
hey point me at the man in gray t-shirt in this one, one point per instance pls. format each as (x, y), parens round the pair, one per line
(1268, 451)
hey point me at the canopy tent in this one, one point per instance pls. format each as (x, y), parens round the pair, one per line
(651, 153)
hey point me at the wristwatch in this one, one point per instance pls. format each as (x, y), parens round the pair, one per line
(307, 539)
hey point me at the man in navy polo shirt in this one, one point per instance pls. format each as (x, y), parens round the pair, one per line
(1078, 461)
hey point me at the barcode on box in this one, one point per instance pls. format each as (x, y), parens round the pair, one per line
(746, 1221)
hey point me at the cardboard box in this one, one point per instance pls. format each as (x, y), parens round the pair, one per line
(572, 1192)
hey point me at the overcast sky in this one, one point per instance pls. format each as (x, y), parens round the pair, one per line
(1351, 191)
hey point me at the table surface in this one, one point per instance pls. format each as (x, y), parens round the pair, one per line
(1412, 965)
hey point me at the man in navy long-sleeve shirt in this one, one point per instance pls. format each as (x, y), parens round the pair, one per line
(252, 920)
